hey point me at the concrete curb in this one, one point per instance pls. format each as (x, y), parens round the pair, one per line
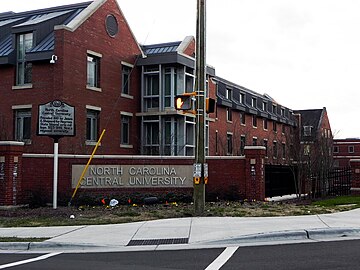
(295, 235)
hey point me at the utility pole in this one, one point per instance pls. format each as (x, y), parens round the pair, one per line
(200, 89)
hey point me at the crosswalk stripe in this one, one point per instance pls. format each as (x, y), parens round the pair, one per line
(43, 257)
(222, 258)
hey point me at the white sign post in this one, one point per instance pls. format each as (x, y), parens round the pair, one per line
(56, 120)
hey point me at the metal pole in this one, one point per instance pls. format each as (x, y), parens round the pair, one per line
(55, 183)
(200, 84)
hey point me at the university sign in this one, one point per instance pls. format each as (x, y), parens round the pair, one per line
(134, 176)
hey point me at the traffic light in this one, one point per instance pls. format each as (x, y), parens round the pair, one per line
(184, 101)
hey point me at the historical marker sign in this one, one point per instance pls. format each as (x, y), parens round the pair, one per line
(56, 118)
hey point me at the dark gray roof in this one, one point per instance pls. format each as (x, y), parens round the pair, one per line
(41, 22)
(311, 117)
(161, 48)
(282, 113)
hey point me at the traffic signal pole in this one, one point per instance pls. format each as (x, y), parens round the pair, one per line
(200, 88)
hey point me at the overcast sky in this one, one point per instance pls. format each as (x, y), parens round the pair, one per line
(303, 53)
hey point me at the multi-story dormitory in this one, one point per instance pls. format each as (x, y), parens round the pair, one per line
(86, 56)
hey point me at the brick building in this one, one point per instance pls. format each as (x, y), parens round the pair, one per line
(344, 150)
(86, 55)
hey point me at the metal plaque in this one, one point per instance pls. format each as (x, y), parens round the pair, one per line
(56, 118)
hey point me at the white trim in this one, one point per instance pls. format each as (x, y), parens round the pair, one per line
(82, 17)
(94, 108)
(24, 86)
(141, 157)
(127, 113)
(21, 107)
(12, 143)
(92, 88)
(185, 44)
(254, 147)
(126, 96)
(130, 146)
(94, 53)
(91, 143)
(127, 64)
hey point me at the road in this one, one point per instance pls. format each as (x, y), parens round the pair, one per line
(317, 255)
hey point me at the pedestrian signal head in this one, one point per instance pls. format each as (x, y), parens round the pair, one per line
(183, 102)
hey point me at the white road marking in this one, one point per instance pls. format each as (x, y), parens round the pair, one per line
(43, 257)
(222, 258)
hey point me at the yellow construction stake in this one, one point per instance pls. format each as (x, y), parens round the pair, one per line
(87, 166)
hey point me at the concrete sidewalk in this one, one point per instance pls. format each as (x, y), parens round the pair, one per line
(187, 233)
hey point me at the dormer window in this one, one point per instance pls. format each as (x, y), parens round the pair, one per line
(253, 102)
(228, 93)
(274, 108)
(242, 98)
(307, 130)
(24, 43)
(264, 106)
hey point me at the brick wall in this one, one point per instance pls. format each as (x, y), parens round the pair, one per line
(355, 176)
(11, 173)
(229, 177)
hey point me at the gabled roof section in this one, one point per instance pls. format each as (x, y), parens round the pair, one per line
(311, 117)
(41, 22)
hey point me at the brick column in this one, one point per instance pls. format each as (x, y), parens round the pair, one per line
(10, 172)
(255, 172)
(355, 176)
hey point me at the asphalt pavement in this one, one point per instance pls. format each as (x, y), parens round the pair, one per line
(187, 233)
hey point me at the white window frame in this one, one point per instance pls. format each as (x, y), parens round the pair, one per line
(126, 70)
(96, 84)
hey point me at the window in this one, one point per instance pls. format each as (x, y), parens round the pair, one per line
(151, 136)
(229, 138)
(265, 123)
(23, 125)
(242, 98)
(242, 144)
(351, 149)
(264, 106)
(228, 114)
(189, 80)
(283, 147)
(169, 136)
(265, 144)
(336, 149)
(254, 120)
(24, 44)
(282, 112)
(151, 91)
(254, 142)
(92, 125)
(125, 76)
(274, 126)
(253, 102)
(307, 130)
(93, 71)
(242, 118)
(228, 93)
(170, 85)
(275, 153)
(283, 129)
(274, 108)
(125, 129)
